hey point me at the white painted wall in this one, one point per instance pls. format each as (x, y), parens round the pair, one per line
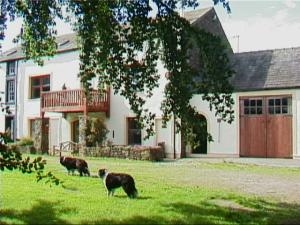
(225, 135)
(64, 67)
(2, 95)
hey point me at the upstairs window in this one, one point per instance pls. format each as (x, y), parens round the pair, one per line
(10, 91)
(11, 68)
(39, 84)
(10, 82)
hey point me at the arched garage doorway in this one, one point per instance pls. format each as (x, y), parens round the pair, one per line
(200, 147)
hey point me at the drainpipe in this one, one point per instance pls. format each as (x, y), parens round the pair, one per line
(16, 101)
(174, 136)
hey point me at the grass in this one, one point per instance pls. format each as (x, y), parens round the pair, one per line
(168, 194)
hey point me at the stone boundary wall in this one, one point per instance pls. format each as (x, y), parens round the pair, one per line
(152, 153)
(26, 149)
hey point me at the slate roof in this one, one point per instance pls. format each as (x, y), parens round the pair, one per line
(269, 69)
(65, 42)
(193, 15)
(208, 20)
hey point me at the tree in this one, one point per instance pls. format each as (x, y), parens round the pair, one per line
(113, 34)
(12, 159)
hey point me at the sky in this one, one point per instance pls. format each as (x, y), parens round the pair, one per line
(259, 25)
(252, 25)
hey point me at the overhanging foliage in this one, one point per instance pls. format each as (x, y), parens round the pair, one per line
(121, 43)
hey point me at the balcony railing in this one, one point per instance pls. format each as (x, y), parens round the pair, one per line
(75, 101)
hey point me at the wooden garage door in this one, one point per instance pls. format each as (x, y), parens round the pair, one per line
(266, 126)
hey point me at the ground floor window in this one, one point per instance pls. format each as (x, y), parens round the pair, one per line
(134, 132)
(10, 126)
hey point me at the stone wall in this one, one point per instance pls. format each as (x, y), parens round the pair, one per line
(155, 153)
(26, 149)
(37, 134)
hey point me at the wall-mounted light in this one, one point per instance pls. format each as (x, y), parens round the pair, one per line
(219, 120)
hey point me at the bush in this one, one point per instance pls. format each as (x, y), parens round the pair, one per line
(25, 141)
(96, 132)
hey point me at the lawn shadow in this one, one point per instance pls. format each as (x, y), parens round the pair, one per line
(262, 212)
(43, 212)
(130, 220)
(138, 198)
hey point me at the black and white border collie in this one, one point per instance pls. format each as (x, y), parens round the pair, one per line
(113, 181)
(73, 164)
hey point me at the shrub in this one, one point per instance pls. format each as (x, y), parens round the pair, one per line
(24, 141)
(96, 132)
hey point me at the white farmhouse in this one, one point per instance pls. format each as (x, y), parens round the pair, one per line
(266, 102)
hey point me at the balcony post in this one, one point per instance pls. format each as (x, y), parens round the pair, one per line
(40, 134)
(82, 134)
(37, 134)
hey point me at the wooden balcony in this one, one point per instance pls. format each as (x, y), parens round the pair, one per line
(75, 101)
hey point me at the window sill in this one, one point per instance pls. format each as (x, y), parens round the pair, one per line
(10, 103)
(34, 99)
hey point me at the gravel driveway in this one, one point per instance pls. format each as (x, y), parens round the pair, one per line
(275, 178)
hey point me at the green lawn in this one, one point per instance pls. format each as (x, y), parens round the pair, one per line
(163, 198)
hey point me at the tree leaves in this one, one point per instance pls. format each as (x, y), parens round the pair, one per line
(121, 43)
(11, 159)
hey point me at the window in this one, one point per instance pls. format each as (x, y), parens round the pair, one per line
(39, 84)
(134, 132)
(10, 82)
(280, 105)
(253, 106)
(11, 68)
(9, 126)
(10, 91)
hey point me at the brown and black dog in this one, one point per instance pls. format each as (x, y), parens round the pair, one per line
(113, 181)
(73, 164)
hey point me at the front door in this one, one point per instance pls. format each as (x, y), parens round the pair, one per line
(75, 131)
(266, 126)
(45, 136)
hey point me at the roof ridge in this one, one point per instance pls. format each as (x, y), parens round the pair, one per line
(268, 50)
(195, 12)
